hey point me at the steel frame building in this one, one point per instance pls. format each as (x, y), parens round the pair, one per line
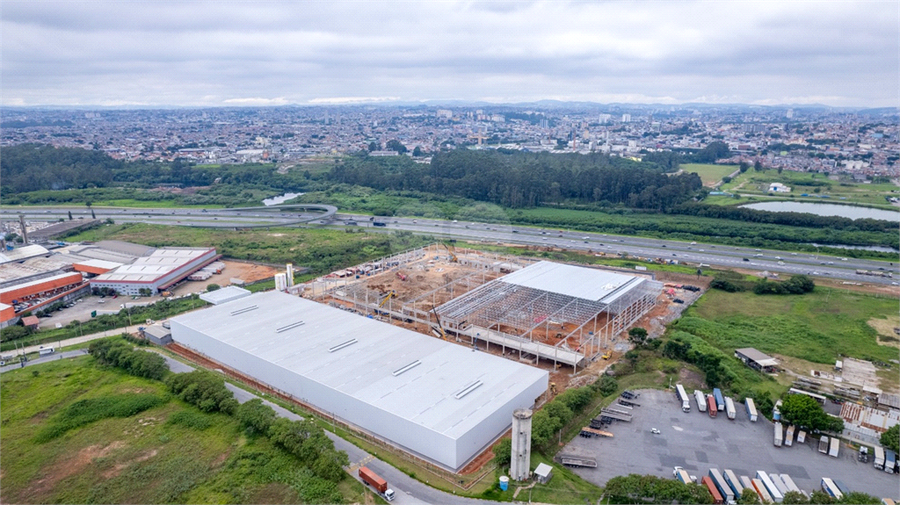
(509, 310)
(437, 400)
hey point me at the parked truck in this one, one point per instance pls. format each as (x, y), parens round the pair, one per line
(789, 436)
(682, 476)
(879, 457)
(779, 435)
(729, 408)
(724, 489)
(779, 484)
(720, 400)
(834, 447)
(890, 460)
(751, 409)
(789, 482)
(823, 444)
(774, 493)
(801, 437)
(760, 489)
(683, 398)
(831, 489)
(733, 482)
(711, 487)
(371, 478)
(711, 406)
(701, 400)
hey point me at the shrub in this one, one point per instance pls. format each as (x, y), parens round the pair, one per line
(190, 419)
(87, 411)
(204, 390)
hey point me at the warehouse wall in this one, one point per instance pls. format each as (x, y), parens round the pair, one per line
(397, 430)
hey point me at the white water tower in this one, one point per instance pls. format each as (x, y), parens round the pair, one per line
(520, 461)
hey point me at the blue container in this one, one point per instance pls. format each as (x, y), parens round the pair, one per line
(504, 483)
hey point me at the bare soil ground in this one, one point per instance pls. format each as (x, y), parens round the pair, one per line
(888, 330)
(247, 272)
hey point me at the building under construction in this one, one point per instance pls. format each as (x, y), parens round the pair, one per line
(541, 310)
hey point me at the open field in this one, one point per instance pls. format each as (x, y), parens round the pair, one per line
(709, 174)
(138, 459)
(818, 327)
(872, 194)
(318, 249)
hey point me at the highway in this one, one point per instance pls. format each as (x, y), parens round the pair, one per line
(690, 253)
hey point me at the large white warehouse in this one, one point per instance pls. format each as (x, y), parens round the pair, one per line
(438, 400)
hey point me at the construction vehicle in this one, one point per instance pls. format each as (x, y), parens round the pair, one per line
(371, 478)
(391, 294)
(607, 355)
(553, 388)
(401, 276)
(439, 330)
(453, 258)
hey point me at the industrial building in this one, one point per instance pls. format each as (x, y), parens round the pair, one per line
(554, 311)
(157, 271)
(39, 293)
(756, 359)
(437, 400)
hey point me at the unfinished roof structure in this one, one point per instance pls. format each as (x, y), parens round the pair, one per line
(554, 311)
(435, 399)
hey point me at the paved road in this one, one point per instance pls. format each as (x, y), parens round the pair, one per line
(408, 490)
(684, 252)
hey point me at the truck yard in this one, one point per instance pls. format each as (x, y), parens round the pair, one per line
(697, 443)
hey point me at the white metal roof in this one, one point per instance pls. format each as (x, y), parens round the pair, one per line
(38, 282)
(570, 280)
(24, 252)
(224, 295)
(100, 264)
(445, 387)
(149, 268)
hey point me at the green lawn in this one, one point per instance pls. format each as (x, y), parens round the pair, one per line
(846, 191)
(817, 327)
(322, 250)
(709, 174)
(138, 459)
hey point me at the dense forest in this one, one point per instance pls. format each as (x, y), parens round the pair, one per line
(518, 179)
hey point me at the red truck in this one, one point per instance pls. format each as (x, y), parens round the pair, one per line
(711, 402)
(371, 478)
(716, 496)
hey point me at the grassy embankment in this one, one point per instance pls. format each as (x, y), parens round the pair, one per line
(752, 182)
(145, 458)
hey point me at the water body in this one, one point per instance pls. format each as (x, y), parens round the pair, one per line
(827, 209)
(275, 200)
(879, 248)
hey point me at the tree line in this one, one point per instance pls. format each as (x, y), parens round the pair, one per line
(520, 179)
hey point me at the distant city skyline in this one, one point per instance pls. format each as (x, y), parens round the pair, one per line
(155, 53)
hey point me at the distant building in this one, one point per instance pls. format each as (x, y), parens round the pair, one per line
(163, 268)
(777, 187)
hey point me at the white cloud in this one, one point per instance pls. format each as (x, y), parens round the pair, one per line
(205, 53)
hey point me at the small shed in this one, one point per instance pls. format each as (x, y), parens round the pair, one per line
(31, 322)
(543, 473)
(157, 334)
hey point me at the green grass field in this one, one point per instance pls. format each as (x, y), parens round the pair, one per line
(709, 174)
(753, 182)
(818, 327)
(138, 459)
(322, 250)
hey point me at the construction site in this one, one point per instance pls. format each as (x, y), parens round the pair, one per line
(552, 315)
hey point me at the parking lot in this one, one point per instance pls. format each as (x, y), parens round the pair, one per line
(81, 310)
(697, 442)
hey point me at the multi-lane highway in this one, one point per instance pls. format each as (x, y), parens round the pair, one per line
(690, 253)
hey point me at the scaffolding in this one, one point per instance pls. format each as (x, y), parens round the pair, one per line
(549, 324)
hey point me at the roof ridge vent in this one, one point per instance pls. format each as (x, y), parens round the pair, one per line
(245, 309)
(406, 368)
(290, 326)
(468, 389)
(342, 345)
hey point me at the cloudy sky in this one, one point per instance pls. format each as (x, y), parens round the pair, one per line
(153, 53)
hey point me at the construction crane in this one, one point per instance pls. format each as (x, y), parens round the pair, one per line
(453, 258)
(391, 294)
(440, 328)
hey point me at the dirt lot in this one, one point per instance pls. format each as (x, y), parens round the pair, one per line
(247, 272)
